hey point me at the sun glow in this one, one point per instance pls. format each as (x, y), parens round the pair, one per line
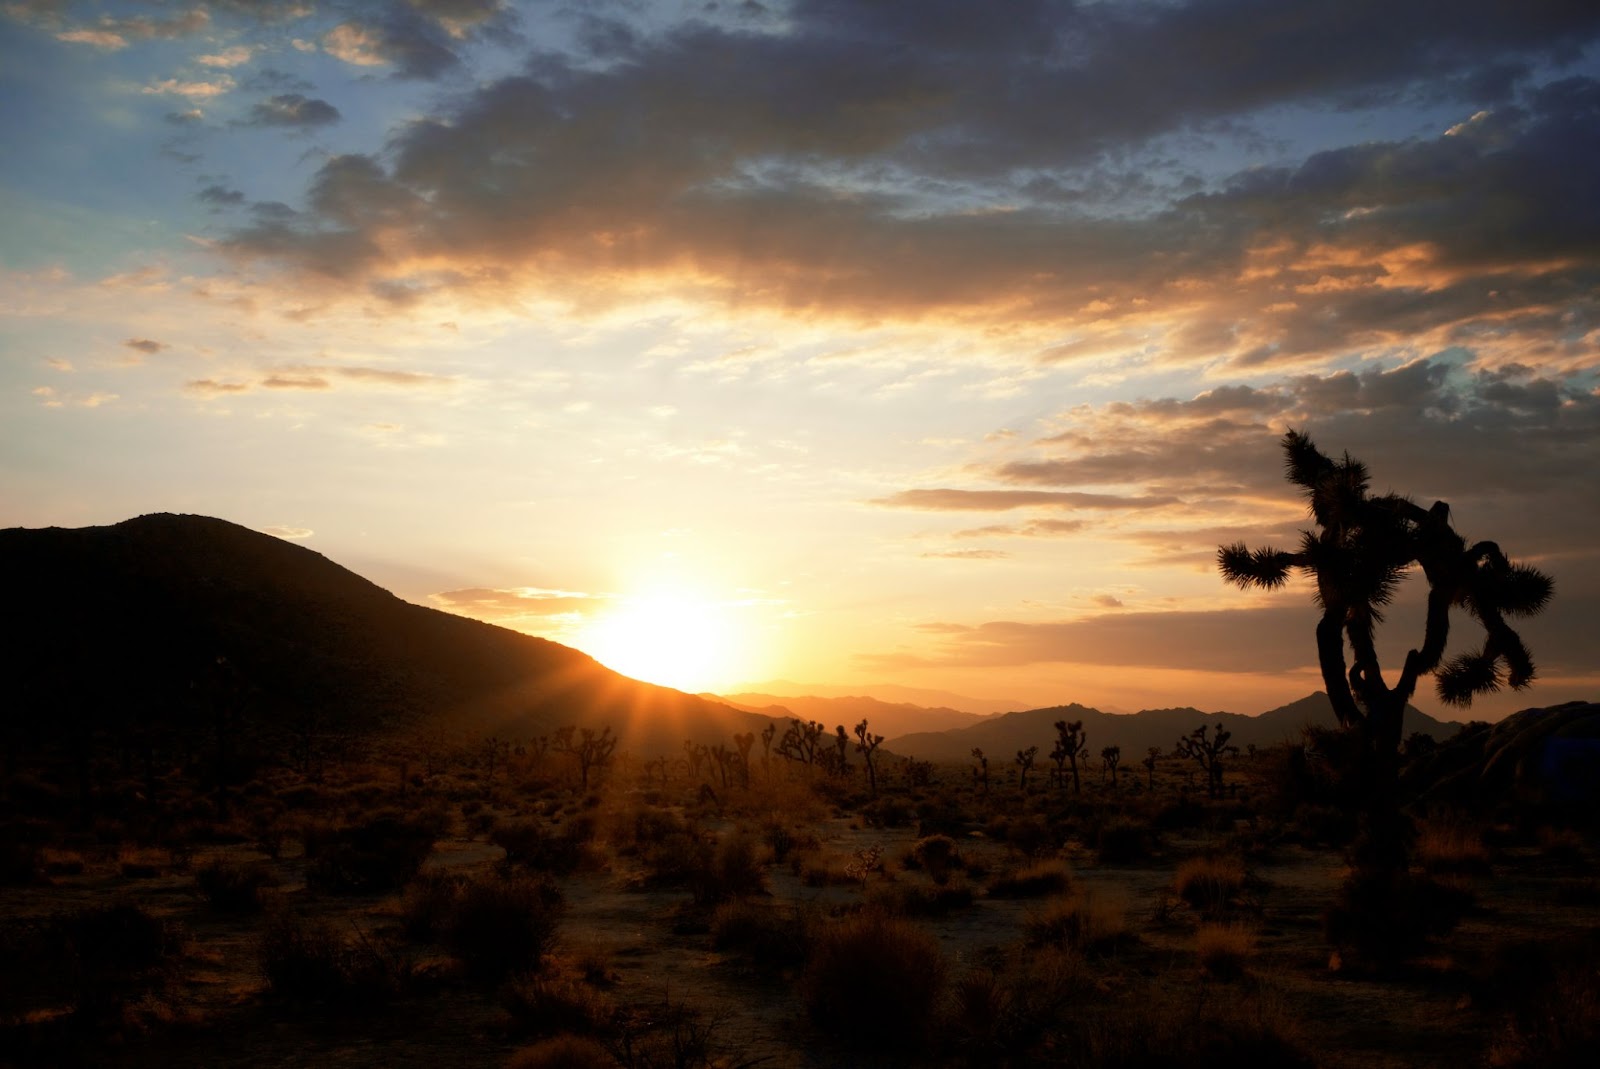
(672, 639)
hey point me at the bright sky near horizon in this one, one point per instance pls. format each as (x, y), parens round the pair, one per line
(928, 342)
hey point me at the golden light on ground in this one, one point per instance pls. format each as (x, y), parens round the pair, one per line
(671, 638)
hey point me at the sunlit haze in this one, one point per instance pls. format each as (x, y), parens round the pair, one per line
(928, 344)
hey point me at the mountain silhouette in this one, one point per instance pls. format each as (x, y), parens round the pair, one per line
(1003, 735)
(886, 718)
(165, 616)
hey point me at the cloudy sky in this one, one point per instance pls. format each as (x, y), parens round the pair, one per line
(910, 341)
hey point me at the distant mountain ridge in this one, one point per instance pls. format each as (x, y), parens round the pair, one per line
(132, 618)
(886, 718)
(1134, 732)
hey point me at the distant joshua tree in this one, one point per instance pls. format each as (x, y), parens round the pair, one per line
(980, 771)
(590, 750)
(1151, 756)
(1208, 753)
(1024, 763)
(1363, 547)
(1072, 743)
(1110, 757)
(866, 745)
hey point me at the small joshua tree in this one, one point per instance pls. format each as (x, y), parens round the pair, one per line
(590, 750)
(1151, 756)
(1208, 753)
(1073, 744)
(980, 771)
(1110, 758)
(744, 743)
(1364, 546)
(1024, 763)
(866, 745)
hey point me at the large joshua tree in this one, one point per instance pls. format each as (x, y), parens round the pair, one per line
(1363, 548)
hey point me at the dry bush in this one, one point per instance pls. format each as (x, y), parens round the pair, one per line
(999, 1016)
(733, 870)
(1446, 845)
(530, 844)
(232, 886)
(936, 855)
(1082, 922)
(1123, 839)
(907, 899)
(873, 980)
(1037, 880)
(1162, 1028)
(770, 936)
(1224, 949)
(546, 1005)
(310, 961)
(503, 924)
(380, 852)
(429, 902)
(1209, 884)
(1386, 918)
(563, 1052)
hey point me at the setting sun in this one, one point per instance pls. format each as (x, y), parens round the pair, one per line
(673, 639)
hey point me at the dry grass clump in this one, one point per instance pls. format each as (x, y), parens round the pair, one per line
(1223, 950)
(377, 852)
(1036, 880)
(1209, 884)
(562, 1052)
(502, 925)
(999, 1015)
(1451, 846)
(310, 961)
(1082, 922)
(771, 937)
(546, 1005)
(908, 899)
(936, 855)
(232, 886)
(873, 980)
(1163, 1028)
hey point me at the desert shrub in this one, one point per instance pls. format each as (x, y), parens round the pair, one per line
(1209, 884)
(1156, 1028)
(310, 961)
(942, 815)
(1122, 839)
(872, 960)
(1033, 881)
(783, 840)
(998, 1016)
(547, 1005)
(563, 1052)
(1578, 892)
(100, 959)
(1083, 922)
(1385, 918)
(501, 925)
(907, 899)
(935, 854)
(1451, 846)
(889, 811)
(231, 886)
(769, 936)
(380, 853)
(1223, 949)
(22, 845)
(1549, 999)
(666, 1036)
(141, 863)
(530, 844)
(733, 870)
(1030, 834)
(429, 902)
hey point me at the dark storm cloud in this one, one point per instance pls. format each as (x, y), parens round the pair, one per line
(292, 110)
(843, 163)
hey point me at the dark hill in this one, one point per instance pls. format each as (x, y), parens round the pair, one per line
(1005, 734)
(886, 718)
(164, 616)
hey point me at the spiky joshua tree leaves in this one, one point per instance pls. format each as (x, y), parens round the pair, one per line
(1363, 548)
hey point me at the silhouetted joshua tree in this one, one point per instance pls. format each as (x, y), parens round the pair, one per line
(1025, 762)
(1110, 758)
(1208, 754)
(866, 745)
(591, 751)
(1363, 547)
(1151, 756)
(980, 771)
(1071, 743)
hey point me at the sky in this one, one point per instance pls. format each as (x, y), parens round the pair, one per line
(921, 342)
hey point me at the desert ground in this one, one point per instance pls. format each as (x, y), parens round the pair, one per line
(476, 905)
